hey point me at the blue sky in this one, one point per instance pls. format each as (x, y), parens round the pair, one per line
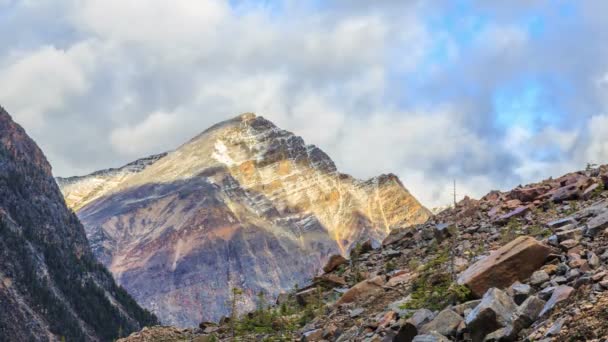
(492, 94)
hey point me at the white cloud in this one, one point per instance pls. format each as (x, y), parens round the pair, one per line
(147, 136)
(43, 80)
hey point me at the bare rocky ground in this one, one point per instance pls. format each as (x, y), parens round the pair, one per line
(525, 265)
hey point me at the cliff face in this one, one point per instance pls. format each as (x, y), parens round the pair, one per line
(243, 204)
(50, 284)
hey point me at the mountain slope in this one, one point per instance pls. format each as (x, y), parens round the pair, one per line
(243, 204)
(50, 284)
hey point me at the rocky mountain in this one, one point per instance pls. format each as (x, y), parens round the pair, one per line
(51, 286)
(530, 264)
(244, 204)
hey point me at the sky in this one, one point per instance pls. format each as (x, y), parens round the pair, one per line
(491, 94)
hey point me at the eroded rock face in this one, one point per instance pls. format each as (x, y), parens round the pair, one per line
(514, 261)
(50, 284)
(243, 204)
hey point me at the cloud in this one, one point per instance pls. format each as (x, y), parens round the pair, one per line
(489, 94)
(42, 81)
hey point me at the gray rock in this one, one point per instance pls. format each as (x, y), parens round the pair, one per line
(539, 277)
(494, 312)
(555, 328)
(528, 312)
(560, 294)
(397, 306)
(520, 292)
(433, 337)
(500, 335)
(546, 293)
(562, 269)
(581, 281)
(559, 280)
(464, 307)
(561, 222)
(421, 317)
(593, 260)
(356, 312)
(572, 234)
(446, 323)
(597, 224)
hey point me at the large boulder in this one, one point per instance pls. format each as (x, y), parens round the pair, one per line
(496, 310)
(514, 261)
(334, 262)
(363, 290)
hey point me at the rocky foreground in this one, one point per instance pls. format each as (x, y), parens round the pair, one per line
(525, 265)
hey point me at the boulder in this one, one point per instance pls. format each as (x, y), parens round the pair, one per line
(446, 323)
(527, 313)
(527, 194)
(495, 311)
(565, 193)
(520, 292)
(334, 262)
(539, 277)
(363, 290)
(560, 294)
(515, 261)
(597, 224)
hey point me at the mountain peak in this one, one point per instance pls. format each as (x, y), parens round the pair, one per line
(245, 203)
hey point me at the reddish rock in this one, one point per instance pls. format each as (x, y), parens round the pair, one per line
(512, 204)
(515, 261)
(399, 279)
(334, 262)
(528, 194)
(588, 193)
(363, 290)
(387, 319)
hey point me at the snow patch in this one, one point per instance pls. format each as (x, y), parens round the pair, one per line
(221, 154)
